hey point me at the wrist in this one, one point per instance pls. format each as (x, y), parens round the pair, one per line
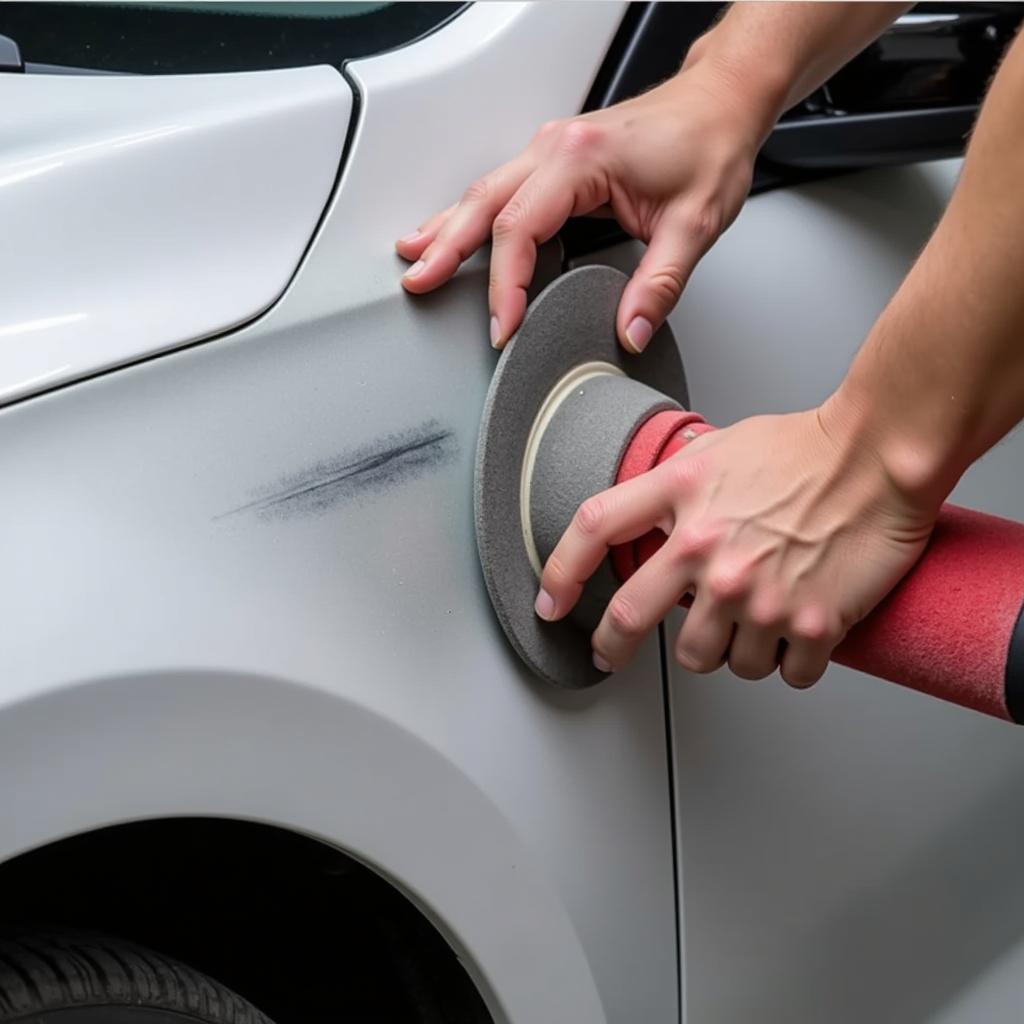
(868, 421)
(755, 87)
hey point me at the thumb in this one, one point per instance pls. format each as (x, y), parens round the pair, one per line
(658, 281)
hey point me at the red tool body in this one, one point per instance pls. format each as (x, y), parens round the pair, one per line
(951, 628)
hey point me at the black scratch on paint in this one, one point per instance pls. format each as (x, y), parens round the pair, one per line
(386, 463)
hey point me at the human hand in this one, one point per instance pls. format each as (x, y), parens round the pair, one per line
(786, 533)
(673, 166)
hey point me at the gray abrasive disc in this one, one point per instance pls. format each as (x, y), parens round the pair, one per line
(570, 325)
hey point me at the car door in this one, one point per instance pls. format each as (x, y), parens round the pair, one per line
(240, 578)
(848, 853)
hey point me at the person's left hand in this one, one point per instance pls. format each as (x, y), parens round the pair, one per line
(785, 533)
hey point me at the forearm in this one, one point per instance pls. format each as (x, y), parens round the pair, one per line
(940, 378)
(774, 54)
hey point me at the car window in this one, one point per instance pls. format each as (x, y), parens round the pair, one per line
(175, 38)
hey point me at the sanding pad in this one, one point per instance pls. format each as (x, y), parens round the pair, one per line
(567, 342)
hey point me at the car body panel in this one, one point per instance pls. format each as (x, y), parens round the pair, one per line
(240, 581)
(141, 213)
(848, 853)
(273, 532)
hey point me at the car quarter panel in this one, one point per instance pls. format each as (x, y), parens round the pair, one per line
(241, 579)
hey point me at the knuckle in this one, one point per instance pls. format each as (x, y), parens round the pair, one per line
(727, 583)
(507, 222)
(547, 129)
(813, 628)
(692, 542)
(814, 633)
(766, 613)
(624, 617)
(580, 137)
(555, 573)
(502, 285)
(746, 670)
(591, 516)
(693, 661)
(477, 192)
(703, 224)
(815, 625)
(682, 472)
(667, 284)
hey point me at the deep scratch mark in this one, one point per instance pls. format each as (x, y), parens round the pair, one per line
(389, 461)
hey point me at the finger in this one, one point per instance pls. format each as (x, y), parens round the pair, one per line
(703, 641)
(804, 664)
(754, 651)
(621, 513)
(658, 281)
(809, 645)
(411, 246)
(557, 190)
(467, 227)
(637, 607)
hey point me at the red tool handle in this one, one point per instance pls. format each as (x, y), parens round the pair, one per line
(951, 628)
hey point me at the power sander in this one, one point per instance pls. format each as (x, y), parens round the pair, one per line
(569, 413)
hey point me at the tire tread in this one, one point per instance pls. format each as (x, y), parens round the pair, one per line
(57, 970)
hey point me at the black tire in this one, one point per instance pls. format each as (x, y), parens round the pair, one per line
(71, 978)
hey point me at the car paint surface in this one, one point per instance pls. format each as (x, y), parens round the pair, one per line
(849, 853)
(258, 556)
(141, 213)
(240, 580)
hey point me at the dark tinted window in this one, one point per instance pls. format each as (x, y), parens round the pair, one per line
(165, 38)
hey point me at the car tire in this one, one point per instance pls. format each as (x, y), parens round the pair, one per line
(73, 978)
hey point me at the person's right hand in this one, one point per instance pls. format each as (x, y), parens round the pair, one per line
(673, 166)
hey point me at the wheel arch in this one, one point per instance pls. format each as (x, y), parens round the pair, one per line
(224, 745)
(298, 928)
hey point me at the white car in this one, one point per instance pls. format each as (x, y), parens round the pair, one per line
(265, 752)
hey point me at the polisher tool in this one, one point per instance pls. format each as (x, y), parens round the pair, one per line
(569, 413)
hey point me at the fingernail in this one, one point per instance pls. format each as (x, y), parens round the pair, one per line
(544, 605)
(639, 332)
(415, 269)
(600, 664)
(496, 341)
(410, 238)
